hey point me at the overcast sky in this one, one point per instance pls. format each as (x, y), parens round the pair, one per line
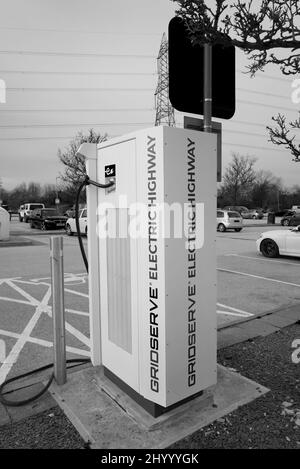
(70, 65)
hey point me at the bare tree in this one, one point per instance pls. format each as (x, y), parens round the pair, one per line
(268, 31)
(34, 192)
(257, 29)
(239, 177)
(280, 135)
(264, 188)
(75, 164)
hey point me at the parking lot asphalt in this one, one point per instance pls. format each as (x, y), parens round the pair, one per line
(250, 282)
(249, 285)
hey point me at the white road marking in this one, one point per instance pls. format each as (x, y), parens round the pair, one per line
(77, 293)
(29, 282)
(41, 307)
(260, 277)
(30, 298)
(236, 310)
(77, 334)
(4, 280)
(17, 348)
(263, 259)
(66, 275)
(4, 298)
(85, 295)
(44, 343)
(230, 313)
(79, 313)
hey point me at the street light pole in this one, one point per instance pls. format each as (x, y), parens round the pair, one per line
(57, 201)
(56, 186)
(207, 91)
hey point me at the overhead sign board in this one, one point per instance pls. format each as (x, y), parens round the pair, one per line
(186, 77)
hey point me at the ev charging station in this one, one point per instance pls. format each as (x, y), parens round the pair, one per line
(152, 271)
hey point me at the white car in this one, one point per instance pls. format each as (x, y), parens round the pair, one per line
(25, 211)
(71, 223)
(229, 220)
(280, 242)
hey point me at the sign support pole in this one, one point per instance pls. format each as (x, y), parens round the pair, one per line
(58, 309)
(207, 92)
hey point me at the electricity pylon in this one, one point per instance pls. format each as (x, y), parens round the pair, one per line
(164, 110)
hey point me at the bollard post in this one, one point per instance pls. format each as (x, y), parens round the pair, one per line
(58, 308)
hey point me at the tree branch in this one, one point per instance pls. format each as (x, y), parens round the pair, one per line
(274, 25)
(280, 135)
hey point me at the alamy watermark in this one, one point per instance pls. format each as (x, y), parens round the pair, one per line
(296, 353)
(155, 221)
(2, 91)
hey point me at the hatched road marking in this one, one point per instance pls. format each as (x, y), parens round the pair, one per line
(39, 307)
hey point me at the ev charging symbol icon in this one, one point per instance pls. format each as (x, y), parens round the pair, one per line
(2, 92)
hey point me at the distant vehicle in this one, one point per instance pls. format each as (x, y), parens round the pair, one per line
(71, 223)
(236, 208)
(47, 218)
(283, 212)
(70, 213)
(280, 242)
(229, 220)
(245, 212)
(291, 219)
(253, 214)
(25, 210)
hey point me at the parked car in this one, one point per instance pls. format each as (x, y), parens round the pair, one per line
(25, 210)
(280, 242)
(252, 214)
(283, 212)
(47, 218)
(228, 220)
(291, 219)
(71, 223)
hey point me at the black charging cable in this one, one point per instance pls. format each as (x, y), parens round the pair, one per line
(10, 403)
(87, 181)
(78, 361)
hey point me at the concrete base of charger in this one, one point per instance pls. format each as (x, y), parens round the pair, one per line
(108, 418)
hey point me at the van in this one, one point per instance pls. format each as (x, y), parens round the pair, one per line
(26, 210)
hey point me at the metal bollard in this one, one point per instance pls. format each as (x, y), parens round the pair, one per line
(58, 309)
